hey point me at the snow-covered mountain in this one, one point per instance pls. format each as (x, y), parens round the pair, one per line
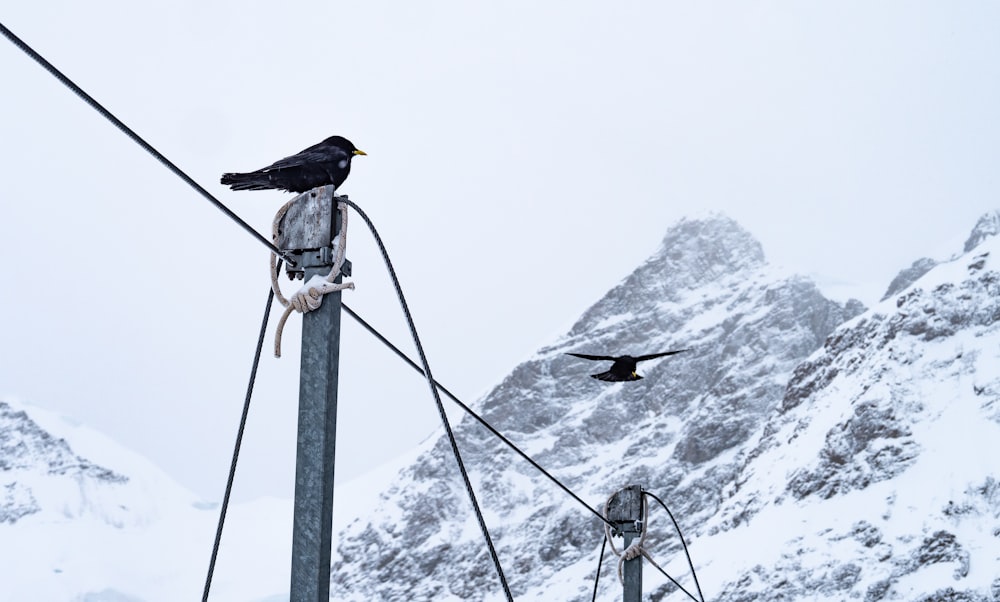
(811, 450)
(878, 478)
(74, 528)
(83, 519)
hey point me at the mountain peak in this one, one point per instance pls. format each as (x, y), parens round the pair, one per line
(683, 430)
(701, 249)
(714, 224)
(694, 252)
(987, 226)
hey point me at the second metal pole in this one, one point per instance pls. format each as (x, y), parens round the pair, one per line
(625, 511)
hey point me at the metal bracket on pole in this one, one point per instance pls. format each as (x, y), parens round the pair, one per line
(305, 232)
(625, 511)
(307, 229)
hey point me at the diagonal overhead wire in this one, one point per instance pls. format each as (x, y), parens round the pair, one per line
(38, 58)
(473, 413)
(694, 573)
(435, 394)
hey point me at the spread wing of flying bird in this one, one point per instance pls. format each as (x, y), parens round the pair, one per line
(651, 356)
(624, 366)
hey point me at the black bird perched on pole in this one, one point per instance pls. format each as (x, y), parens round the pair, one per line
(328, 162)
(624, 366)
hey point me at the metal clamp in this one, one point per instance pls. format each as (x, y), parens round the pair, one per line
(313, 258)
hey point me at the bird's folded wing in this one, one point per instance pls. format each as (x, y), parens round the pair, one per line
(310, 156)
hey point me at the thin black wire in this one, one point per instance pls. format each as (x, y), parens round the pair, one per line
(137, 139)
(600, 561)
(239, 442)
(672, 580)
(472, 413)
(437, 397)
(683, 543)
(643, 511)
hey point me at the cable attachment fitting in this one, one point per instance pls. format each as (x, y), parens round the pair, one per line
(310, 296)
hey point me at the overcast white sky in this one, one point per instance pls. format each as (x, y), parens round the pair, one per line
(523, 158)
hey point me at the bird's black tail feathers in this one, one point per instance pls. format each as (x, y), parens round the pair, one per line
(611, 377)
(246, 181)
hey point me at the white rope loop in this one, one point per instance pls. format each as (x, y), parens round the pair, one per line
(310, 296)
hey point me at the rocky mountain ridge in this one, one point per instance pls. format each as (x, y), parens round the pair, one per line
(886, 437)
(680, 432)
(28, 453)
(790, 405)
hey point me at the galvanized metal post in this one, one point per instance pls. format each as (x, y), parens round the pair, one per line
(625, 510)
(317, 429)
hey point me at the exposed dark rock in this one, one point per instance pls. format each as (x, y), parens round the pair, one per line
(950, 595)
(16, 502)
(942, 546)
(987, 226)
(908, 276)
(867, 534)
(872, 446)
(878, 590)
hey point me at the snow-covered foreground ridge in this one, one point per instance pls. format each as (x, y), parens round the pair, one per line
(69, 525)
(811, 450)
(72, 529)
(878, 478)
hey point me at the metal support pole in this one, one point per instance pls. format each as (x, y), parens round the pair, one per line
(632, 570)
(317, 429)
(625, 510)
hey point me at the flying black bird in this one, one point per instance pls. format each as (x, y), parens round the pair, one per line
(623, 367)
(328, 162)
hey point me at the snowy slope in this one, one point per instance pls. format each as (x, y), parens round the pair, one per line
(810, 453)
(681, 432)
(72, 528)
(83, 519)
(879, 478)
